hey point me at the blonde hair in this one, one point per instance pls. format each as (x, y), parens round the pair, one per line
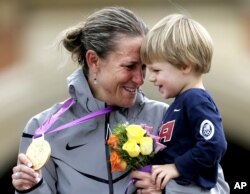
(178, 40)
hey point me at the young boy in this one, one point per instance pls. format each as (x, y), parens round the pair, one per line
(178, 51)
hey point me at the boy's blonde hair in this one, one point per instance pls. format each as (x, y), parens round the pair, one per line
(180, 41)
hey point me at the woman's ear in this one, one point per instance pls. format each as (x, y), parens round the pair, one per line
(92, 60)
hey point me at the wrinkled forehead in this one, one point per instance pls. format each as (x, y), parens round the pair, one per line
(128, 47)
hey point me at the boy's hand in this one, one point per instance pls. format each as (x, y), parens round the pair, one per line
(162, 174)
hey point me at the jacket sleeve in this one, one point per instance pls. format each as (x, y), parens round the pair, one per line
(210, 141)
(47, 185)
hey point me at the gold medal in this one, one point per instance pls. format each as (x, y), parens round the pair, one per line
(38, 152)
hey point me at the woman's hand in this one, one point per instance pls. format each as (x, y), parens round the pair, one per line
(24, 177)
(162, 174)
(144, 183)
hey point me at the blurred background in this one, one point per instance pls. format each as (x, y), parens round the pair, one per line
(33, 73)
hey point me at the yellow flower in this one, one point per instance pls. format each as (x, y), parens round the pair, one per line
(146, 145)
(132, 148)
(135, 132)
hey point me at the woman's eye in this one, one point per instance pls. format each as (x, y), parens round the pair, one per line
(130, 67)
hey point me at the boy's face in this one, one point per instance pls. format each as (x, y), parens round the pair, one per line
(170, 80)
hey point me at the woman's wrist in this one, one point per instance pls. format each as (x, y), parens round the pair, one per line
(30, 189)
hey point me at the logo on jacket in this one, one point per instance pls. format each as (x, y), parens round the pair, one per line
(166, 131)
(207, 129)
(68, 147)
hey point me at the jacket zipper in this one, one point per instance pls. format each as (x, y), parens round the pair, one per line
(106, 135)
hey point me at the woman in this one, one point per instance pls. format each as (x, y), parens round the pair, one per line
(107, 47)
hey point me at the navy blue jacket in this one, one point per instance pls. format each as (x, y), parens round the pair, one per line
(193, 132)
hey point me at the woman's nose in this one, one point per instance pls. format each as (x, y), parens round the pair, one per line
(139, 76)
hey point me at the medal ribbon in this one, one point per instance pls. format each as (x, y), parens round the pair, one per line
(44, 128)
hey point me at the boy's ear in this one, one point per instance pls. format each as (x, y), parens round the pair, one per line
(187, 68)
(92, 60)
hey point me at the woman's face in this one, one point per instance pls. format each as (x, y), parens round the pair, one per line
(121, 73)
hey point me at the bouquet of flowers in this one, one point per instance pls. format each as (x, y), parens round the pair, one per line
(132, 146)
